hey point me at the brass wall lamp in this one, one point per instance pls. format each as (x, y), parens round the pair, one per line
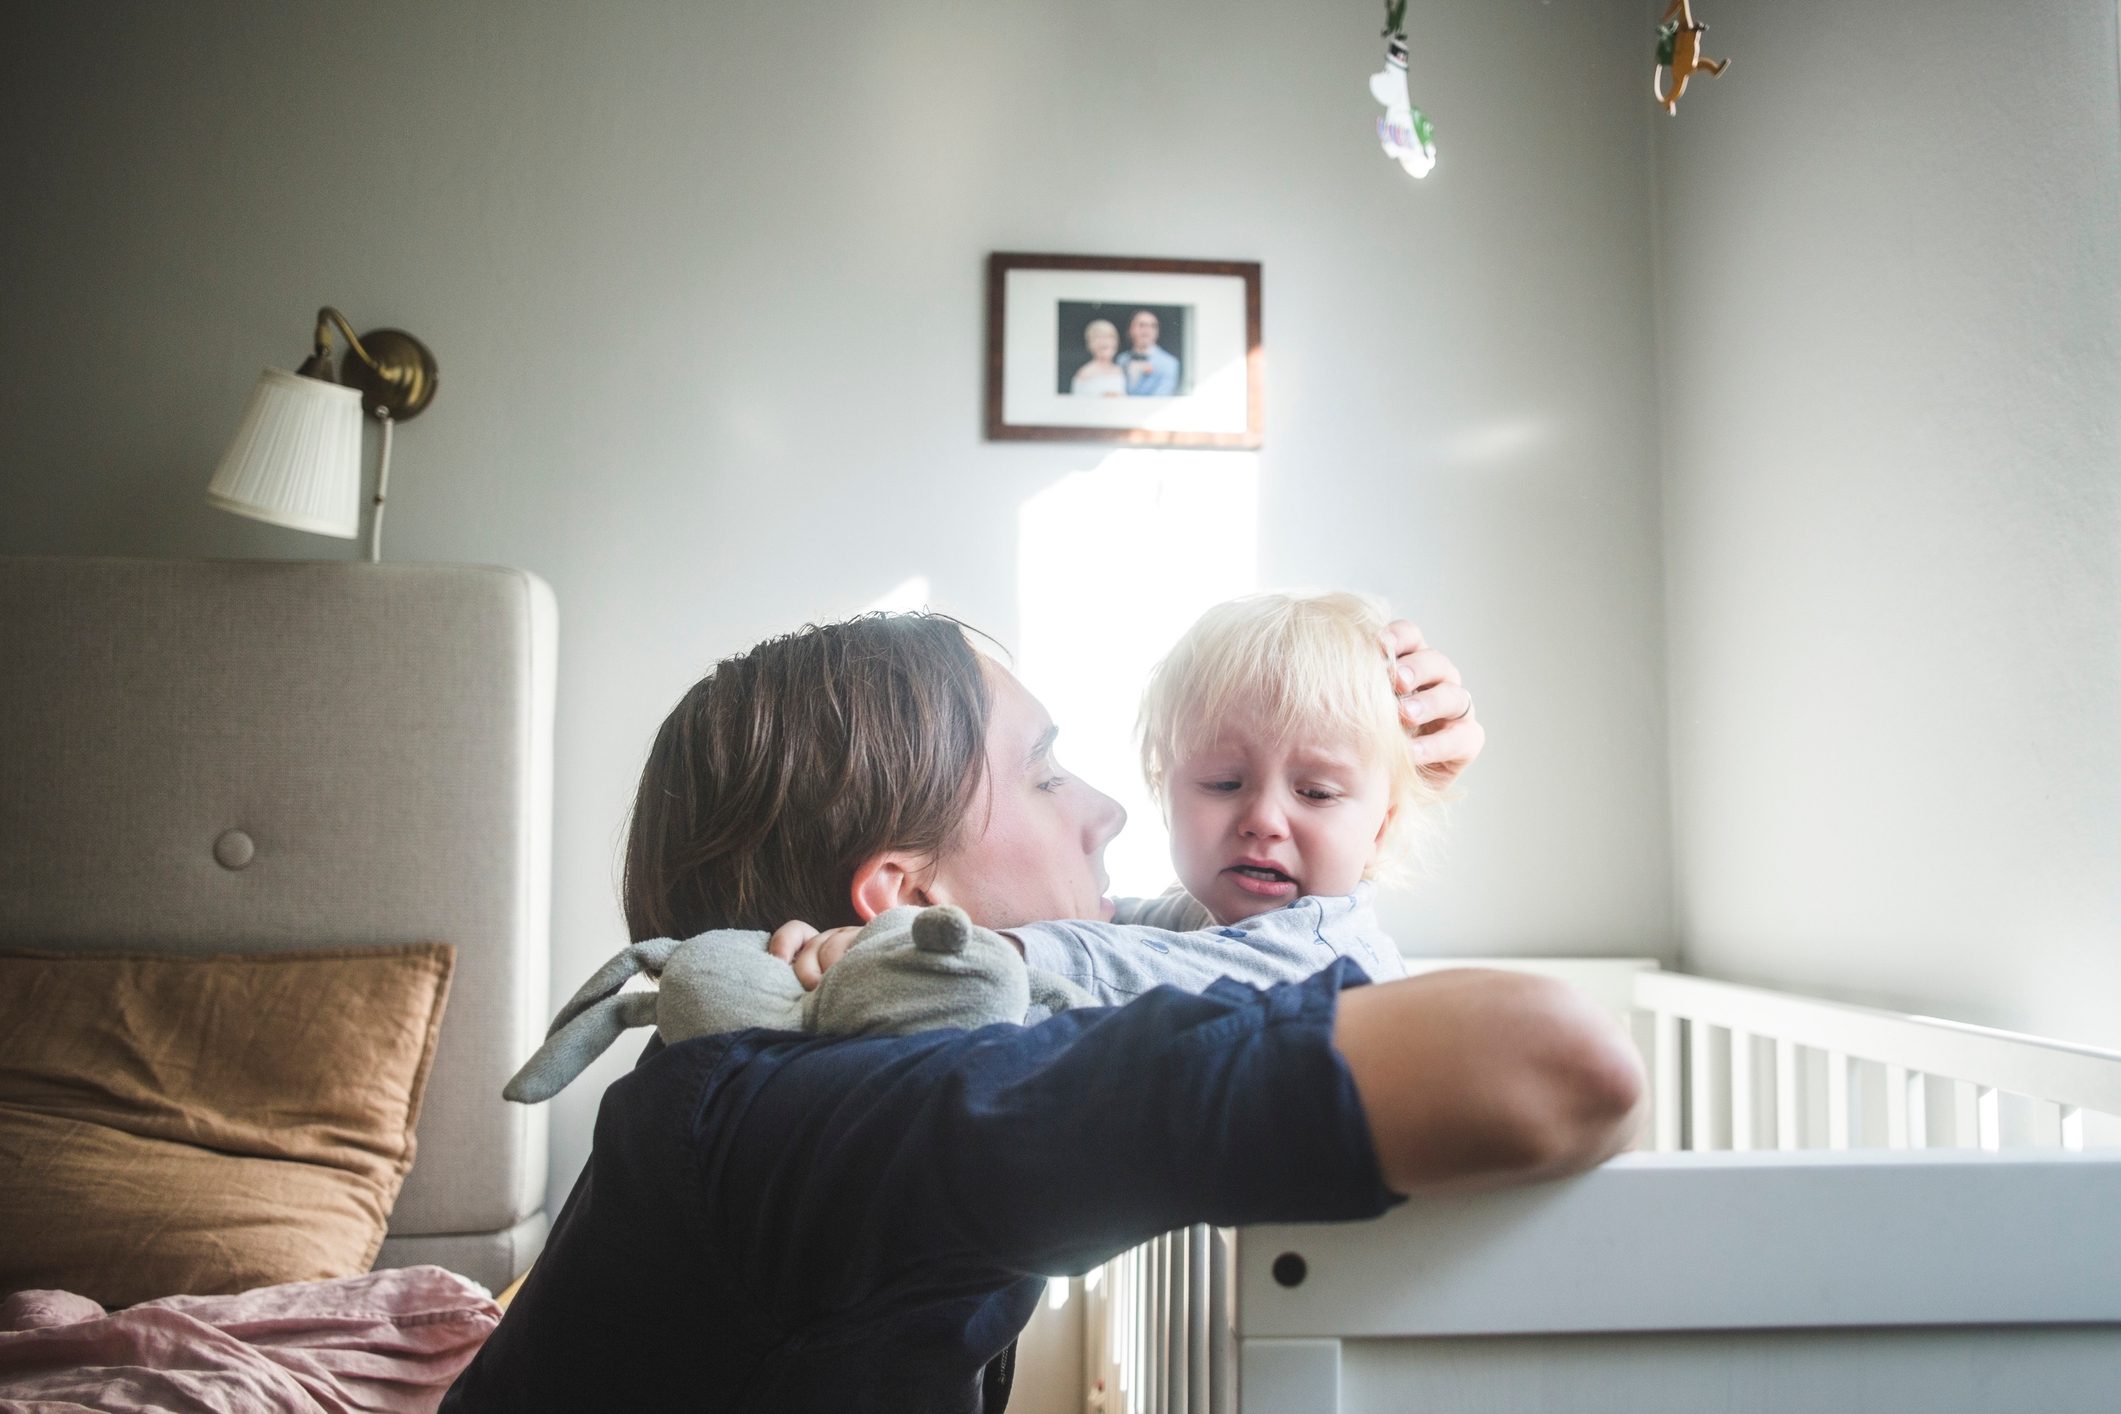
(296, 457)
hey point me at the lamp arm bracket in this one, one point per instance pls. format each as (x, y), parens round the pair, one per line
(328, 316)
(396, 374)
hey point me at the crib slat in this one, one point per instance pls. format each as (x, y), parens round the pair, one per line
(1741, 1089)
(1160, 1384)
(1915, 1088)
(2047, 1121)
(1896, 1106)
(2072, 1128)
(1145, 1322)
(1988, 1106)
(1115, 1285)
(1222, 1329)
(1122, 1283)
(1182, 1321)
(1163, 1324)
(1152, 1385)
(1785, 1094)
(1131, 1378)
(1199, 1311)
(1143, 1400)
(1964, 1119)
(1153, 1327)
(1153, 1399)
(1123, 1292)
(1114, 1368)
(1174, 1323)
(1097, 1328)
(1701, 1087)
(1665, 1094)
(1837, 1100)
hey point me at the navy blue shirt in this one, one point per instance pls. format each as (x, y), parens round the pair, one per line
(774, 1222)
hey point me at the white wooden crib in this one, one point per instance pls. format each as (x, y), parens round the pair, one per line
(1845, 1209)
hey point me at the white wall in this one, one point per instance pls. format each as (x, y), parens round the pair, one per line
(1891, 356)
(705, 286)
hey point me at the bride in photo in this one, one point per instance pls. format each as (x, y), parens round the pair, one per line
(1101, 377)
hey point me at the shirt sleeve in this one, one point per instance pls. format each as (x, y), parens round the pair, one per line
(1048, 1149)
(1117, 962)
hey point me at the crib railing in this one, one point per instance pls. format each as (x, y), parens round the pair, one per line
(1160, 1325)
(1742, 1068)
(1732, 1068)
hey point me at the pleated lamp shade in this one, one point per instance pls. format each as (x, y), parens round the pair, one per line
(296, 459)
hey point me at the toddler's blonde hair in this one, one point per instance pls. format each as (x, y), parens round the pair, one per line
(1303, 665)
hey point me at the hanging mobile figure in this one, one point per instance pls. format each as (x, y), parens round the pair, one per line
(1403, 130)
(1679, 49)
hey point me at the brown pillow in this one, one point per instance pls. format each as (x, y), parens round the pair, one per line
(177, 1124)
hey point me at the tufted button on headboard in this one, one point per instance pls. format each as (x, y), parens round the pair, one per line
(234, 849)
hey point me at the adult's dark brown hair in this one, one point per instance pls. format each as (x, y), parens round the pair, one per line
(787, 767)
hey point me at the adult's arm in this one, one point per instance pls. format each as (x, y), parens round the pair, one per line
(1468, 1078)
(1476, 1078)
(1047, 1150)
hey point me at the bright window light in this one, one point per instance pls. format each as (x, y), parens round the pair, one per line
(1112, 565)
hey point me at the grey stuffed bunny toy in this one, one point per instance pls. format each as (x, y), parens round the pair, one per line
(908, 970)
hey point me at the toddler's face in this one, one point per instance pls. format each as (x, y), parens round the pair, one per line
(1257, 823)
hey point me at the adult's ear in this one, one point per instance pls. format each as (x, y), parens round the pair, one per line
(887, 880)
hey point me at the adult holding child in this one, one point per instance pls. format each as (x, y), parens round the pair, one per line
(778, 1222)
(1281, 759)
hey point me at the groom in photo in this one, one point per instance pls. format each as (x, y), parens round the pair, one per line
(1151, 372)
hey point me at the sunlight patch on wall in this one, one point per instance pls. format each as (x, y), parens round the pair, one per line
(1497, 441)
(1112, 565)
(1223, 390)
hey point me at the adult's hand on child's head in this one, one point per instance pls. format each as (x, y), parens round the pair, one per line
(810, 952)
(1434, 706)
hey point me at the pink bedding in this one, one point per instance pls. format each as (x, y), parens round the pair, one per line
(390, 1340)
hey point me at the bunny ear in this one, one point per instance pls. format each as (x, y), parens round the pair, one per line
(568, 1051)
(941, 928)
(647, 957)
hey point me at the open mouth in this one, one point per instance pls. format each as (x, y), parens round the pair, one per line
(1263, 881)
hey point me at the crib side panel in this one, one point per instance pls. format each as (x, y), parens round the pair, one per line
(2052, 1369)
(1711, 1241)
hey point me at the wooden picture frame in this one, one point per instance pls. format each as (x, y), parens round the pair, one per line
(1144, 352)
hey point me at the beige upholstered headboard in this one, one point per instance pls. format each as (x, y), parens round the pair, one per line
(378, 736)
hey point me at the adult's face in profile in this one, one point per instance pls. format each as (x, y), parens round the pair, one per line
(1033, 845)
(1144, 329)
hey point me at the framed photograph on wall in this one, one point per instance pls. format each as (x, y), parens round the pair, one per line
(1156, 353)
